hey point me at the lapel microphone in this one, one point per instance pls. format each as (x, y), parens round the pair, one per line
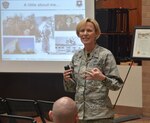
(88, 55)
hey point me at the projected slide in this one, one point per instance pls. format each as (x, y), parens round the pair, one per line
(40, 30)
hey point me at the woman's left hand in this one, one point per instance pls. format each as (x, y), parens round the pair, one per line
(94, 74)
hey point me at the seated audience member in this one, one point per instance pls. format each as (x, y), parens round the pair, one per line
(64, 111)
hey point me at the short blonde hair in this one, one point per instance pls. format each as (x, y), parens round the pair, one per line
(93, 21)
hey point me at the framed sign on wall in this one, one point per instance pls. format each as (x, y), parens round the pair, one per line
(141, 43)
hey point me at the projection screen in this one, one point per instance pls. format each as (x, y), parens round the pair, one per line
(40, 36)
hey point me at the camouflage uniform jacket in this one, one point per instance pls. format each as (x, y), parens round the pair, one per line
(91, 96)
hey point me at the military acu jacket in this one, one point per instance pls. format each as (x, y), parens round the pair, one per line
(91, 96)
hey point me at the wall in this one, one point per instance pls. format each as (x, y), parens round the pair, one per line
(146, 64)
(146, 12)
(131, 94)
(146, 87)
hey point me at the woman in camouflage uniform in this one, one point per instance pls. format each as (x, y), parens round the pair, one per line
(93, 73)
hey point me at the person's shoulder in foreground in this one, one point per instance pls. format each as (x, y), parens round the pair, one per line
(64, 111)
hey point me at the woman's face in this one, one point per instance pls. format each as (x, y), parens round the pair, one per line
(87, 34)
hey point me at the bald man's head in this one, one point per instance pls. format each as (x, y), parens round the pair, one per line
(64, 111)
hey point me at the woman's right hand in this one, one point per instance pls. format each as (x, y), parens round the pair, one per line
(67, 75)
